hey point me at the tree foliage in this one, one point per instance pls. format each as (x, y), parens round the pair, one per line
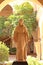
(26, 12)
(6, 27)
(24, 8)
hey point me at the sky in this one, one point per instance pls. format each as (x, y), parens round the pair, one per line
(34, 3)
(19, 2)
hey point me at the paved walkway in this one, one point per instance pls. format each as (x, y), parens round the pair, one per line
(12, 57)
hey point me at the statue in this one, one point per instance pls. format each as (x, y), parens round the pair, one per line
(21, 39)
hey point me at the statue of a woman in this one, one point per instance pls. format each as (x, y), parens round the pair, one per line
(21, 40)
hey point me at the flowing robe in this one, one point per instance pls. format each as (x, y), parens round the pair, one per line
(21, 40)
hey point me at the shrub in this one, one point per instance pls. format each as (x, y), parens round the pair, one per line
(33, 61)
(4, 52)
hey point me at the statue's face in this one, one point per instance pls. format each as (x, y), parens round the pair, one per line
(21, 22)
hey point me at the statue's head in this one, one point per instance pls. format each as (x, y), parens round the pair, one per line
(21, 21)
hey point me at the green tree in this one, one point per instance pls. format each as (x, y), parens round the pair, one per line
(6, 27)
(26, 12)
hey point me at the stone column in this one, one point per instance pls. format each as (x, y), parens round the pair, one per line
(37, 47)
(41, 36)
